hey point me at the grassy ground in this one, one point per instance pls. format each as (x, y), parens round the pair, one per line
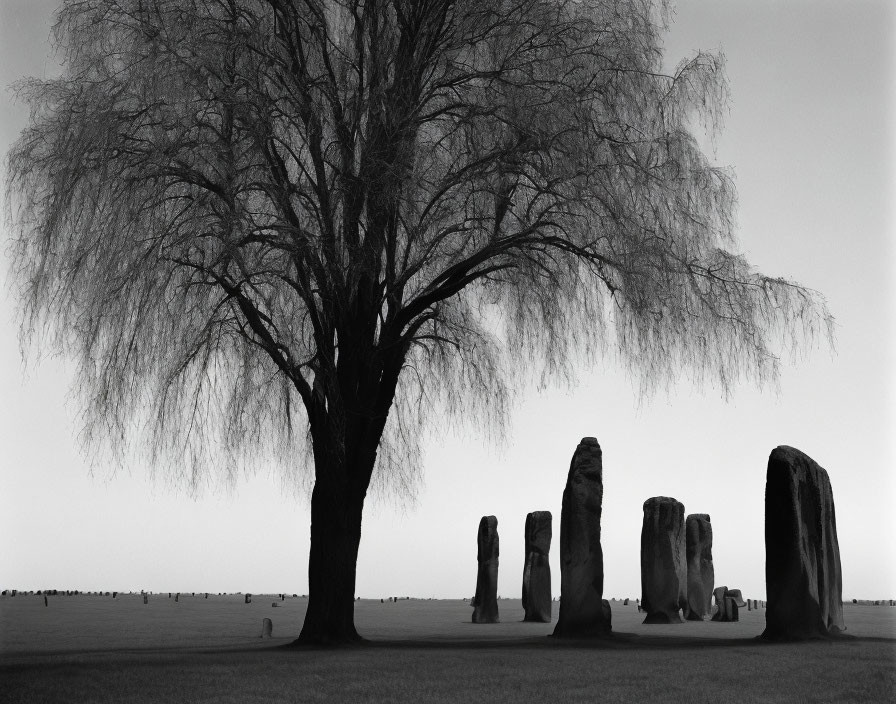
(97, 649)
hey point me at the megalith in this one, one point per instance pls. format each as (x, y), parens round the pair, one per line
(267, 628)
(537, 568)
(485, 609)
(664, 574)
(701, 575)
(732, 613)
(583, 610)
(737, 596)
(802, 555)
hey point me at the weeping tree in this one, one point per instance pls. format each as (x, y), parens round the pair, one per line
(298, 228)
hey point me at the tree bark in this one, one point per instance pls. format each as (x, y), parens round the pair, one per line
(336, 509)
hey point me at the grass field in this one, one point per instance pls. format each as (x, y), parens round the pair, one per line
(99, 649)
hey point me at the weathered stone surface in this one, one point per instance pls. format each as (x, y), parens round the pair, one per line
(802, 554)
(737, 596)
(664, 574)
(701, 574)
(267, 628)
(485, 609)
(727, 601)
(537, 568)
(731, 610)
(583, 610)
(247, 599)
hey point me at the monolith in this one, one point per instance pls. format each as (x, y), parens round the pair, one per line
(537, 568)
(583, 610)
(698, 550)
(802, 555)
(485, 609)
(732, 613)
(737, 596)
(664, 573)
(719, 594)
(267, 628)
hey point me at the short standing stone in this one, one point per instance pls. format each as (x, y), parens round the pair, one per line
(731, 610)
(728, 601)
(247, 599)
(114, 595)
(802, 554)
(145, 599)
(537, 569)
(701, 574)
(177, 597)
(737, 596)
(664, 574)
(625, 603)
(486, 606)
(267, 628)
(583, 610)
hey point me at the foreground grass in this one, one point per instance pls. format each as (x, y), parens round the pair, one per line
(856, 671)
(425, 652)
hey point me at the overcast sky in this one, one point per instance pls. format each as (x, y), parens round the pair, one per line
(810, 136)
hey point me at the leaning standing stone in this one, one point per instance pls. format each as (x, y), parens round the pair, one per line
(802, 555)
(537, 569)
(583, 610)
(486, 606)
(701, 574)
(664, 575)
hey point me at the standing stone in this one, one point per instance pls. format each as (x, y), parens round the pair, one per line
(625, 603)
(177, 597)
(247, 599)
(145, 599)
(267, 628)
(737, 596)
(802, 555)
(731, 611)
(537, 570)
(485, 609)
(728, 601)
(701, 574)
(664, 573)
(583, 610)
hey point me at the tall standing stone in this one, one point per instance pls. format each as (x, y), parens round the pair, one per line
(583, 610)
(802, 555)
(701, 574)
(537, 569)
(664, 572)
(485, 609)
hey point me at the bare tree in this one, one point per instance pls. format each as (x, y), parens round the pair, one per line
(281, 226)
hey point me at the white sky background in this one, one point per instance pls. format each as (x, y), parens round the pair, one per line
(811, 137)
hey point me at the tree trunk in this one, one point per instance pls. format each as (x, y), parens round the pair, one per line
(336, 509)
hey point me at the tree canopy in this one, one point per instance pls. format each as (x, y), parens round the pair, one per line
(269, 225)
